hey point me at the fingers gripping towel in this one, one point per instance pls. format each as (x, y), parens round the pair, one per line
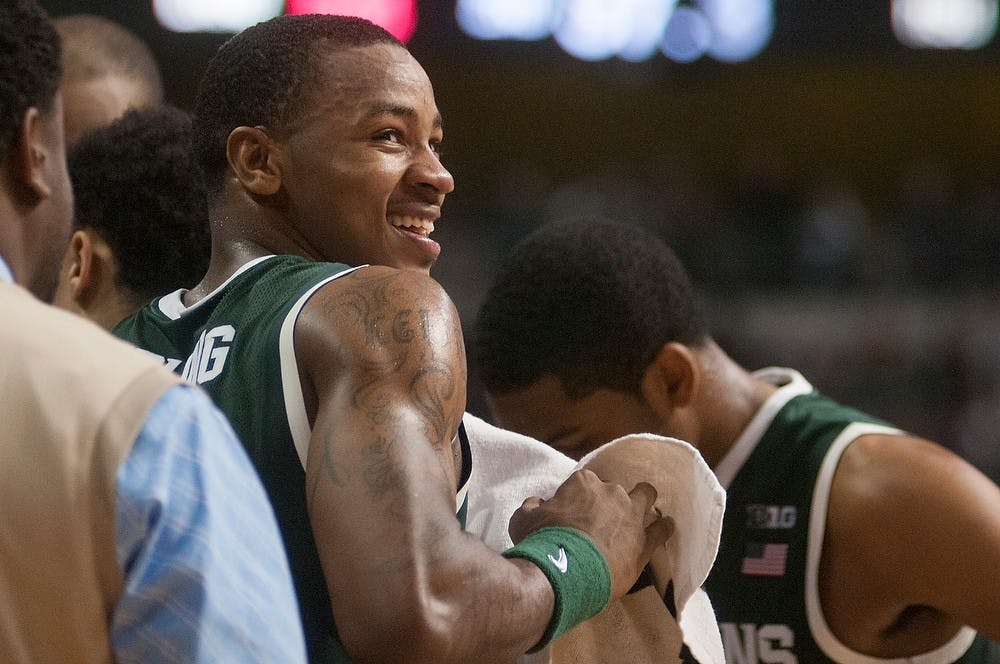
(686, 490)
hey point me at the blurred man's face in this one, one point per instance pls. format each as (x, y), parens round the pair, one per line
(99, 102)
(51, 224)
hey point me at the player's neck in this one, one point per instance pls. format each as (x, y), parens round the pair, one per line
(222, 265)
(239, 235)
(730, 397)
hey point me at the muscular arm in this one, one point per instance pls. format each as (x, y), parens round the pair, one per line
(384, 361)
(912, 547)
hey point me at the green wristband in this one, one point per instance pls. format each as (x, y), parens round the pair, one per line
(579, 574)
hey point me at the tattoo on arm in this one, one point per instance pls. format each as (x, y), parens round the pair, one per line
(403, 325)
(432, 381)
(430, 387)
(380, 473)
(336, 473)
(410, 355)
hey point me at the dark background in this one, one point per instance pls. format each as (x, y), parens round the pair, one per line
(837, 198)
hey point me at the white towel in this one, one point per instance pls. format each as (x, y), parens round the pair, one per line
(507, 468)
(687, 491)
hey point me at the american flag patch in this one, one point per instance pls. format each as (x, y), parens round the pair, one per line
(765, 559)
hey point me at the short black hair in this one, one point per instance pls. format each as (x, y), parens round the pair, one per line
(591, 301)
(264, 75)
(136, 183)
(94, 47)
(29, 65)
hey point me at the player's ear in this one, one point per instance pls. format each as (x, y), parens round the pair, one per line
(671, 380)
(27, 159)
(79, 271)
(255, 160)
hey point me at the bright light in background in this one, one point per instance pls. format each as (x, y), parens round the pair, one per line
(727, 30)
(740, 28)
(593, 29)
(648, 19)
(528, 20)
(688, 35)
(213, 15)
(397, 16)
(963, 24)
(596, 29)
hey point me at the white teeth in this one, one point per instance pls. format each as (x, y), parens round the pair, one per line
(422, 226)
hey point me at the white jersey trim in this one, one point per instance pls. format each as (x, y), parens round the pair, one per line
(821, 632)
(172, 306)
(462, 493)
(291, 386)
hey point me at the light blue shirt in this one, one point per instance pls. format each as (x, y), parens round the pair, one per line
(206, 577)
(5, 273)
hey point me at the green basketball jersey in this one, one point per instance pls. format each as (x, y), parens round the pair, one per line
(764, 581)
(237, 344)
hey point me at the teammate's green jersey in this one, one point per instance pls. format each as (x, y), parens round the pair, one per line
(237, 343)
(764, 582)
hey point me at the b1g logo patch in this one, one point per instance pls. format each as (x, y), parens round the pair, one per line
(771, 517)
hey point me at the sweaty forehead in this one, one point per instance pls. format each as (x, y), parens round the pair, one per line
(375, 75)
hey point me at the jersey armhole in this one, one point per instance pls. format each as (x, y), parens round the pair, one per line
(291, 387)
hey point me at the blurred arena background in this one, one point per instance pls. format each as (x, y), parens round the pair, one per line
(830, 174)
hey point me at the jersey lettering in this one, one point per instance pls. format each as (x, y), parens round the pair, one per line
(769, 636)
(208, 358)
(758, 644)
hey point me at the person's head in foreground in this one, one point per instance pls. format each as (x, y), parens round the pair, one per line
(36, 199)
(322, 134)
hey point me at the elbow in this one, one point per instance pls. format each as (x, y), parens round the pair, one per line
(416, 628)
